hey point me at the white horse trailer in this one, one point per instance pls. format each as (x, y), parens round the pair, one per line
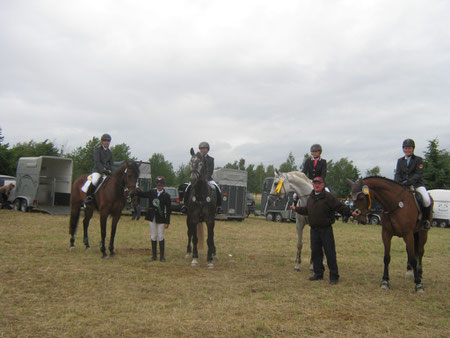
(441, 208)
(43, 183)
(233, 184)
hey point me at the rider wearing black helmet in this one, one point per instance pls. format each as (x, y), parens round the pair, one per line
(103, 164)
(409, 172)
(204, 150)
(315, 166)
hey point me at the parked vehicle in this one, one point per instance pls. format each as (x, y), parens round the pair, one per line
(279, 210)
(251, 206)
(233, 183)
(43, 183)
(174, 198)
(5, 180)
(441, 208)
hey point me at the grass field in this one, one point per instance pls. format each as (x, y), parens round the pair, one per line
(47, 290)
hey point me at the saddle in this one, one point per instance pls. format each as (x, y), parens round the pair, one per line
(88, 182)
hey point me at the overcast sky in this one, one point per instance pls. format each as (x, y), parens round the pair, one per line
(256, 79)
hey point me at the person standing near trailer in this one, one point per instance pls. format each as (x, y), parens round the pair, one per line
(158, 215)
(103, 165)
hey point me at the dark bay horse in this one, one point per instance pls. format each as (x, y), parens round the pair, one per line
(201, 207)
(110, 199)
(401, 217)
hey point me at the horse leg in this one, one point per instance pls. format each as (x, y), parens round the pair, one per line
(409, 239)
(210, 241)
(422, 237)
(74, 217)
(193, 230)
(114, 222)
(103, 219)
(387, 237)
(298, 260)
(87, 218)
(188, 248)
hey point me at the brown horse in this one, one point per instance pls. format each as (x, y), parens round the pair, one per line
(401, 217)
(110, 199)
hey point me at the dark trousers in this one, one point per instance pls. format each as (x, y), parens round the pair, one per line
(322, 239)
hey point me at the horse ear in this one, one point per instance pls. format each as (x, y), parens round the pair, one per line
(192, 152)
(350, 181)
(277, 172)
(139, 164)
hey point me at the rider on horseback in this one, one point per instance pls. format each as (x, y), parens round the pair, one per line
(316, 166)
(409, 172)
(204, 149)
(103, 163)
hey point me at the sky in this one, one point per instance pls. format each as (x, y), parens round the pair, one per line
(256, 79)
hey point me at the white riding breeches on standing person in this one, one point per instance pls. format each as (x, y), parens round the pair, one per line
(426, 201)
(156, 231)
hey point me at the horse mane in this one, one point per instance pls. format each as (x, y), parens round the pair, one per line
(383, 178)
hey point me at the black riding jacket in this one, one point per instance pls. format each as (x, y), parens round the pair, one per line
(411, 174)
(103, 160)
(319, 170)
(209, 166)
(161, 213)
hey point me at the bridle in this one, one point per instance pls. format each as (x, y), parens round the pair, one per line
(127, 187)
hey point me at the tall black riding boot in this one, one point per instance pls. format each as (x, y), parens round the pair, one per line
(154, 244)
(90, 194)
(161, 251)
(218, 201)
(426, 218)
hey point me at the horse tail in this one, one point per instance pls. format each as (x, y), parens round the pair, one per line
(200, 235)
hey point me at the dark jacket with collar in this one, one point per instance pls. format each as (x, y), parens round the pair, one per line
(209, 166)
(103, 160)
(159, 214)
(411, 174)
(320, 209)
(319, 170)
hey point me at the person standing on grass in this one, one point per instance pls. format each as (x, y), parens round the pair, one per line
(158, 215)
(320, 208)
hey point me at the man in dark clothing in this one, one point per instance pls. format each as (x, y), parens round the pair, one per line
(320, 209)
(409, 172)
(103, 164)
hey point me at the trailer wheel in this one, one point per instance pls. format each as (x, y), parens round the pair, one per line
(23, 206)
(434, 223)
(278, 218)
(269, 217)
(443, 224)
(17, 205)
(374, 220)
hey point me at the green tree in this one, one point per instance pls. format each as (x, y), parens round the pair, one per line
(182, 174)
(375, 171)
(337, 174)
(305, 157)
(121, 152)
(436, 166)
(270, 171)
(7, 166)
(234, 165)
(161, 167)
(289, 165)
(260, 175)
(251, 178)
(83, 158)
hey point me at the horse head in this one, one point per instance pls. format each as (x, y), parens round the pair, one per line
(362, 199)
(130, 177)
(197, 165)
(279, 187)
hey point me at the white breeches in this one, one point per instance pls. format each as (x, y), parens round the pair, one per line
(156, 231)
(426, 201)
(95, 178)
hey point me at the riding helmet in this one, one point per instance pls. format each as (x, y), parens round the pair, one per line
(160, 180)
(316, 147)
(408, 143)
(203, 145)
(106, 137)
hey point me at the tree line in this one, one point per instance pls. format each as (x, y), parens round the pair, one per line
(436, 164)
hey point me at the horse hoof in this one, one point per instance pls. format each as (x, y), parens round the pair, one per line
(385, 285)
(297, 267)
(88, 248)
(105, 256)
(210, 266)
(419, 288)
(72, 248)
(409, 274)
(187, 255)
(194, 262)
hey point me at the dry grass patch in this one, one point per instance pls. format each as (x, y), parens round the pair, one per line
(45, 289)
